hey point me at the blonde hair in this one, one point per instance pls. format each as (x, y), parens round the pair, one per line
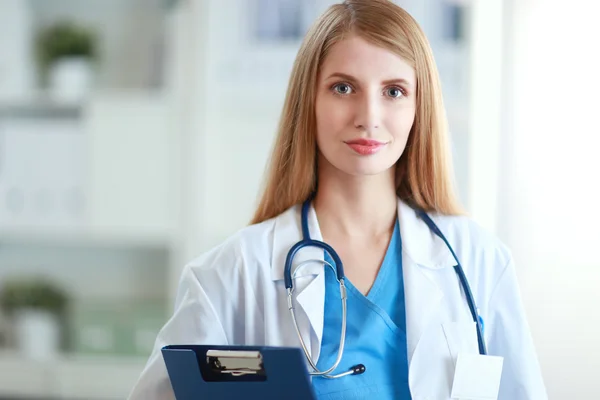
(423, 174)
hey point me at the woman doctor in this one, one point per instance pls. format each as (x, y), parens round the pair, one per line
(362, 145)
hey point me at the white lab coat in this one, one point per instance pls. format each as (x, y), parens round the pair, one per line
(235, 295)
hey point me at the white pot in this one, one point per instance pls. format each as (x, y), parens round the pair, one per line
(37, 334)
(70, 79)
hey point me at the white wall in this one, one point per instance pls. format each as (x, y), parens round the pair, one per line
(549, 211)
(484, 113)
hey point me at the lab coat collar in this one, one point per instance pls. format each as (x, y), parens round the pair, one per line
(287, 232)
(418, 242)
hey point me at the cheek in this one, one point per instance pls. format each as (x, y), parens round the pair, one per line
(331, 118)
(400, 125)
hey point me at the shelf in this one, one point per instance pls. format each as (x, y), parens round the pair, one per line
(40, 107)
(69, 376)
(83, 238)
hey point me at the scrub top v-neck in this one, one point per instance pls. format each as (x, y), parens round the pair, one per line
(375, 334)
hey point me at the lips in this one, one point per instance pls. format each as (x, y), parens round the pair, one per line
(365, 147)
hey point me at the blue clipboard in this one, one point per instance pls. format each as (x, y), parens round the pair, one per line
(232, 372)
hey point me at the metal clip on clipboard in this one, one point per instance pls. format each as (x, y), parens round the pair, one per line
(236, 362)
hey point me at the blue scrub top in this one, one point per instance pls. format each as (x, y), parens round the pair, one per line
(375, 334)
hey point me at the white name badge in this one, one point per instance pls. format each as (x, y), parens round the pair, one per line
(477, 377)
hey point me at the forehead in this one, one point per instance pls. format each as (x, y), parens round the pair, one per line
(365, 61)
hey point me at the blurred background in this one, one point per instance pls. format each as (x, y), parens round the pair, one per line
(134, 135)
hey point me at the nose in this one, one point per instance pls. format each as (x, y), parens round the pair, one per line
(368, 112)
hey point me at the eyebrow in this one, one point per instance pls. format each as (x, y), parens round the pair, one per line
(352, 79)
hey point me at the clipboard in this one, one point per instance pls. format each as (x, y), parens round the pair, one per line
(237, 372)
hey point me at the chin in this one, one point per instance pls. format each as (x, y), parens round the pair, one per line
(366, 168)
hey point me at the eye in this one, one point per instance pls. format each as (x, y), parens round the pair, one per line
(342, 89)
(394, 92)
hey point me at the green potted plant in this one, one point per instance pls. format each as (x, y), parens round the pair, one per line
(37, 309)
(66, 53)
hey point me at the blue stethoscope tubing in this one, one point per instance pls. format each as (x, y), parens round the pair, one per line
(308, 242)
(463, 281)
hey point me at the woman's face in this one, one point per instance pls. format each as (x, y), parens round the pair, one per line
(365, 107)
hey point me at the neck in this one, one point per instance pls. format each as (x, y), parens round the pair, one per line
(356, 206)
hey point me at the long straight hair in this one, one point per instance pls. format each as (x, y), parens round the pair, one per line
(424, 177)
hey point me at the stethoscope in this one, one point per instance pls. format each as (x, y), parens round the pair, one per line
(339, 271)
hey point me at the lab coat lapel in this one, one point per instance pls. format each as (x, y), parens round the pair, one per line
(422, 253)
(309, 282)
(423, 298)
